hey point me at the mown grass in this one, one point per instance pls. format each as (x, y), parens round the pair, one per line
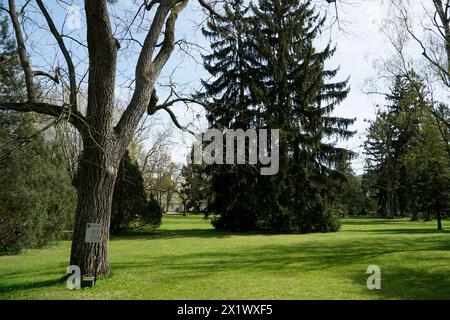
(187, 259)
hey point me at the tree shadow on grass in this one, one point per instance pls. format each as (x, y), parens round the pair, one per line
(172, 234)
(383, 221)
(183, 233)
(344, 259)
(401, 231)
(5, 288)
(371, 221)
(219, 234)
(410, 284)
(314, 256)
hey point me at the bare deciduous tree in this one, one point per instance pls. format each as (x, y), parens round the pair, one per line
(433, 38)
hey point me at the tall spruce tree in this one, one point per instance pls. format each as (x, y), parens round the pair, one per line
(299, 99)
(381, 166)
(228, 93)
(284, 86)
(406, 108)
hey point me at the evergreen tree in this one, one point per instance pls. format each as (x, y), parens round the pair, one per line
(388, 138)
(299, 99)
(381, 166)
(130, 208)
(283, 85)
(228, 94)
(37, 200)
(428, 172)
(194, 189)
(407, 161)
(349, 194)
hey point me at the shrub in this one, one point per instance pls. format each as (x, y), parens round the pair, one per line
(130, 208)
(37, 200)
(152, 215)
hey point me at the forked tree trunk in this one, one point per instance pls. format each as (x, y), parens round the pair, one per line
(101, 155)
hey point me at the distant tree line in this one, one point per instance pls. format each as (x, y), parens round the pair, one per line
(408, 159)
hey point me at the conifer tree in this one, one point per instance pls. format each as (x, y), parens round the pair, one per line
(36, 196)
(286, 87)
(389, 138)
(299, 99)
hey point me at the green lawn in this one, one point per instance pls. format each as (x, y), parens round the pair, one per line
(186, 259)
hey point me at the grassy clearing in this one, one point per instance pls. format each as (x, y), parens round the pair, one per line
(186, 259)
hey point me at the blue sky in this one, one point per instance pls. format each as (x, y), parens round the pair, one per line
(358, 46)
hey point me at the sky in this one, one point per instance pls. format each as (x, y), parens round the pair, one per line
(359, 44)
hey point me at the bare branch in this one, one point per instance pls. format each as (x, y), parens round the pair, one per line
(213, 13)
(175, 120)
(24, 6)
(65, 52)
(74, 117)
(22, 51)
(147, 70)
(185, 100)
(54, 78)
(153, 108)
(149, 5)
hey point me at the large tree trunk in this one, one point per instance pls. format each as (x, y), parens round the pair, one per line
(95, 193)
(101, 157)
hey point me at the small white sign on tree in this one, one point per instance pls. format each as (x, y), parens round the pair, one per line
(93, 233)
